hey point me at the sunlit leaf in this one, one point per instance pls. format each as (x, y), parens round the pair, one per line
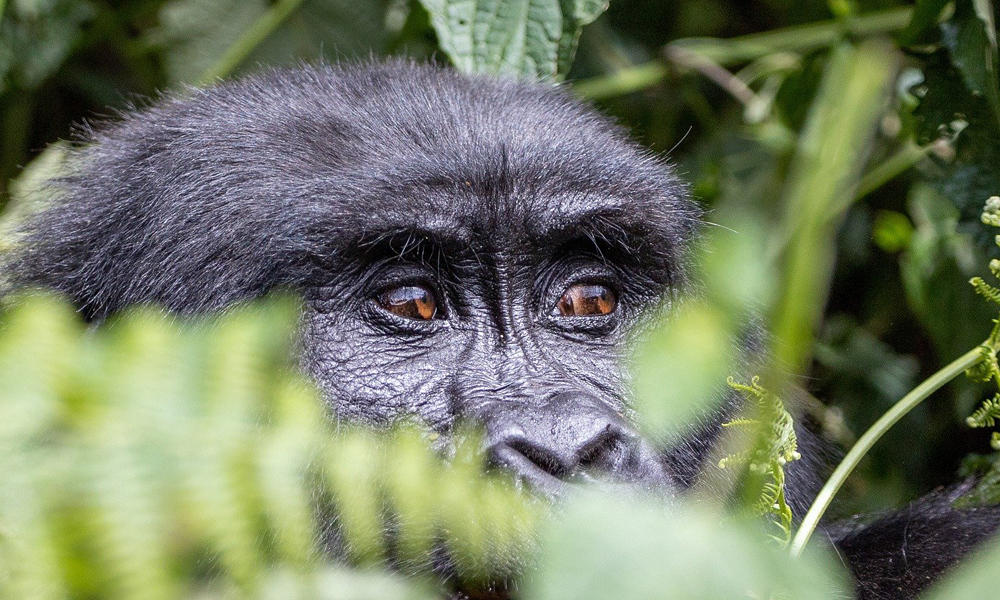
(528, 38)
(609, 548)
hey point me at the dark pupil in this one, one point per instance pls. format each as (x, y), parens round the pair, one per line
(412, 302)
(584, 300)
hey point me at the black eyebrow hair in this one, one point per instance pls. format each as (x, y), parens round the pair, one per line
(611, 227)
(631, 239)
(428, 245)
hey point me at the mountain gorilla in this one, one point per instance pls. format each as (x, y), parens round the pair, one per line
(467, 248)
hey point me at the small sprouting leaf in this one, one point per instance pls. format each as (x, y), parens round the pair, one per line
(526, 38)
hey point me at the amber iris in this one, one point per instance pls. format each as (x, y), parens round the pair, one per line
(410, 301)
(586, 299)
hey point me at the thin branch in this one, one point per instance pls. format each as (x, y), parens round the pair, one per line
(874, 434)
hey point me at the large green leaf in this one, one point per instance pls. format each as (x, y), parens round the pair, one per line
(528, 38)
(608, 547)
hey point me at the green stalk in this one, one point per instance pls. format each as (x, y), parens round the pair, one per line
(822, 181)
(622, 81)
(747, 48)
(801, 38)
(894, 166)
(251, 38)
(870, 437)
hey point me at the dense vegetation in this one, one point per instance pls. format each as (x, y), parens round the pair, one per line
(853, 146)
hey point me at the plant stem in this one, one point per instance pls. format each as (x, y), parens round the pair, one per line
(895, 165)
(870, 437)
(747, 48)
(251, 38)
(801, 38)
(622, 81)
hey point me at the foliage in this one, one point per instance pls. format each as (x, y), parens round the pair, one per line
(153, 459)
(684, 552)
(775, 446)
(531, 38)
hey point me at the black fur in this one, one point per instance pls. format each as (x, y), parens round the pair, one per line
(342, 182)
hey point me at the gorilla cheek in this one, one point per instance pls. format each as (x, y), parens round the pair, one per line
(368, 377)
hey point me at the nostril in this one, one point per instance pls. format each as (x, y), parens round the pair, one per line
(603, 450)
(532, 466)
(540, 457)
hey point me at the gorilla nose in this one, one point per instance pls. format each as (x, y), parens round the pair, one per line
(572, 436)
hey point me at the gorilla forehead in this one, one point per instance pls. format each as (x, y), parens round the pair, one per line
(407, 141)
(272, 171)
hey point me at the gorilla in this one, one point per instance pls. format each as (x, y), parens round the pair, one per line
(467, 248)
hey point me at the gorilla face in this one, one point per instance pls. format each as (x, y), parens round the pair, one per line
(486, 293)
(468, 249)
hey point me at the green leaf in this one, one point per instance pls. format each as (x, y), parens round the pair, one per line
(936, 270)
(217, 37)
(36, 37)
(681, 367)
(975, 578)
(30, 192)
(925, 16)
(526, 38)
(338, 583)
(971, 39)
(972, 174)
(606, 547)
(195, 33)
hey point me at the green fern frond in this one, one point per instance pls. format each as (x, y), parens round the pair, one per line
(985, 290)
(994, 266)
(158, 459)
(991, 212)
(776, 444)
(987, 488)
(986, 415)
(987, 368)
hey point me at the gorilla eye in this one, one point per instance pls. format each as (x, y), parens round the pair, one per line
(410, 301)
(585, 300)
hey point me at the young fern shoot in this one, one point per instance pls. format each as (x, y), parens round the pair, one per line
(775, 445)
(987, 369)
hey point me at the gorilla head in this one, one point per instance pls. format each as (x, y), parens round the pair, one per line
(467, 248)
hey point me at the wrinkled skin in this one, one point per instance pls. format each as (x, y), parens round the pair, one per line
(435, 226)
